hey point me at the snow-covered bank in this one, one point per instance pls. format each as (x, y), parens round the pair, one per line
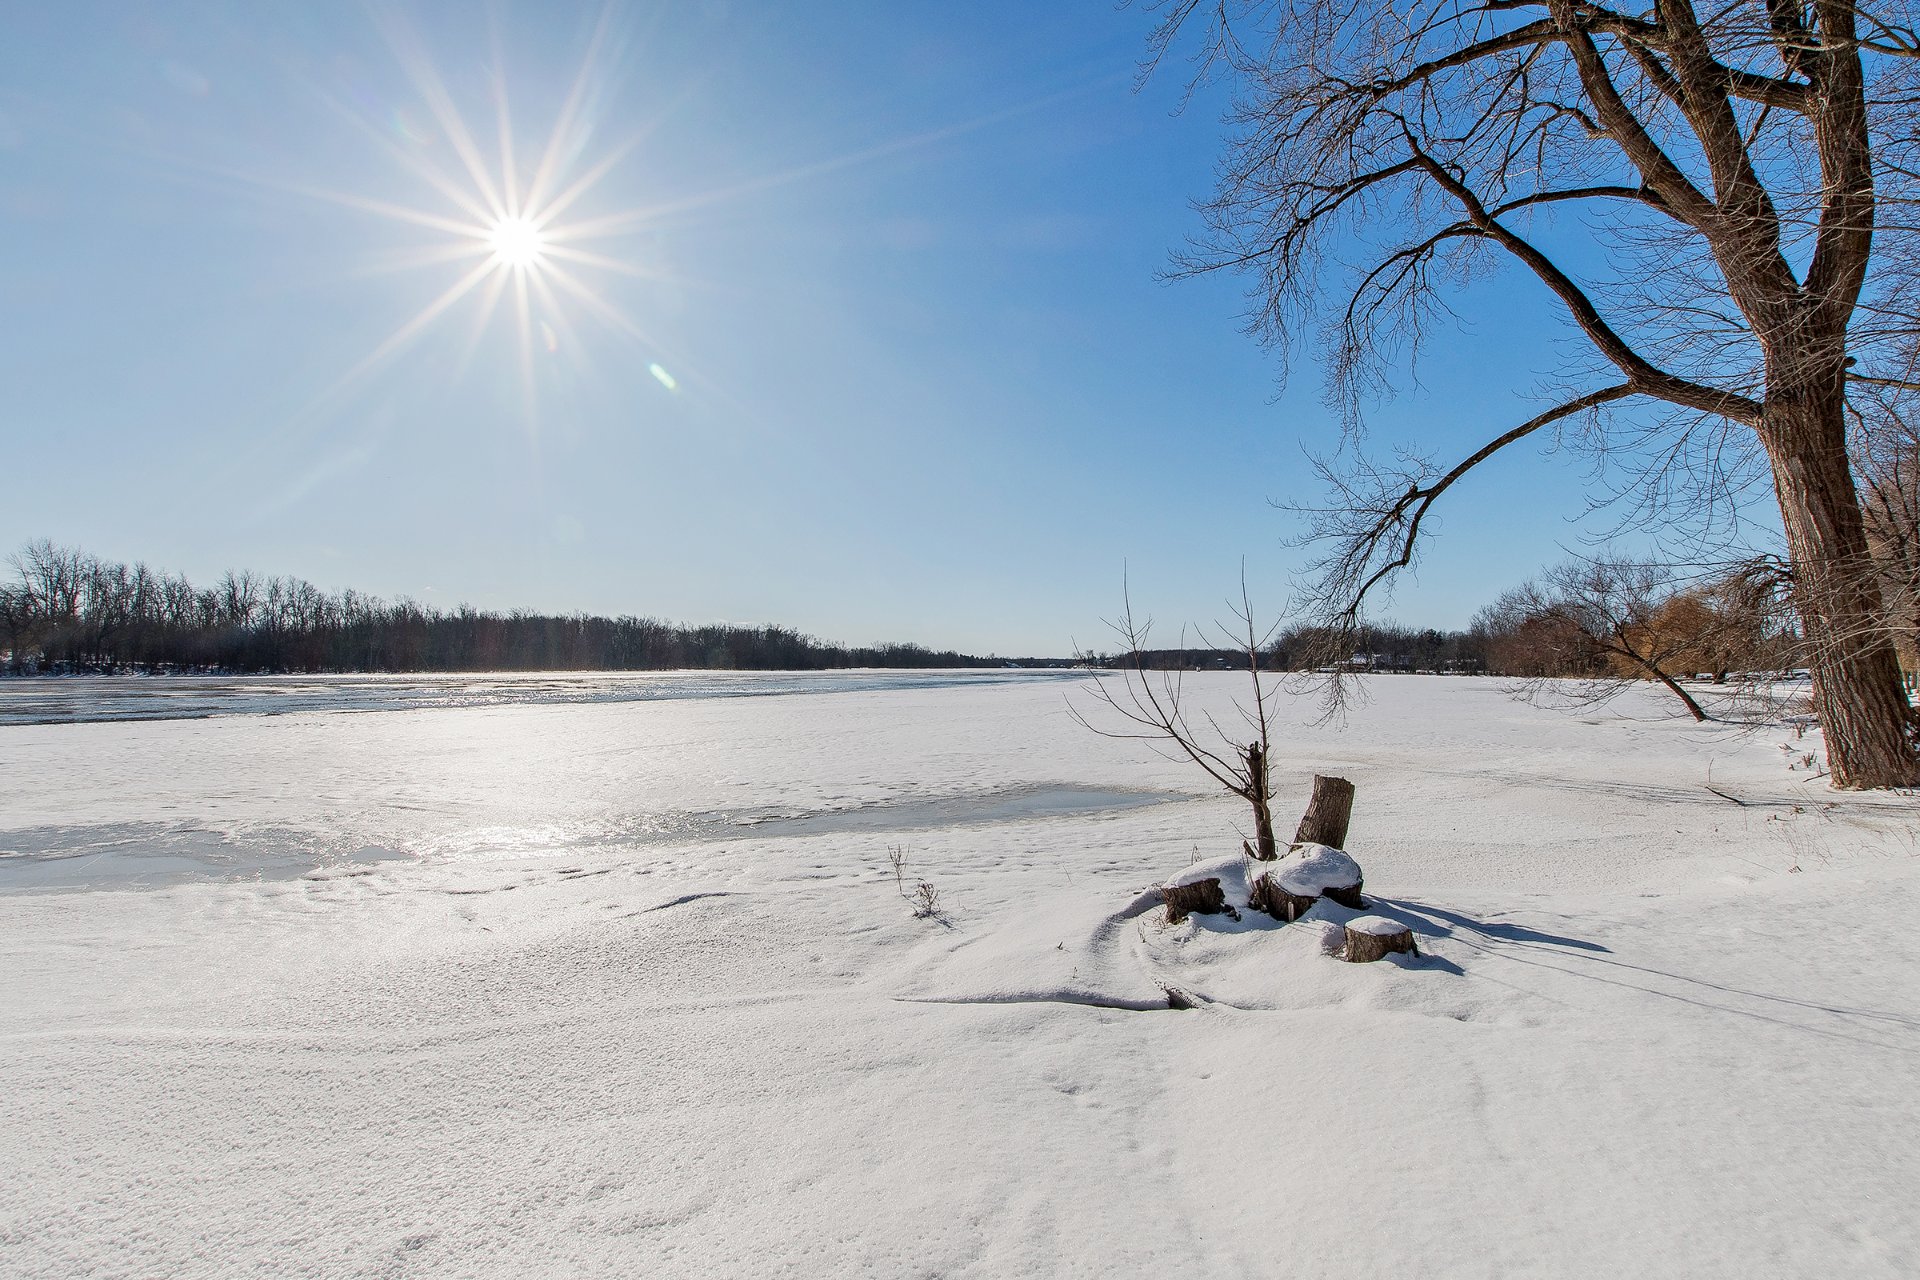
(1655, 1031)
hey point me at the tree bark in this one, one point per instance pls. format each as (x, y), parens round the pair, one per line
(1265, 894)
(1364, 945)
(1347, 895)
(1259, 795)
(1856, 689)
(1202, 897)
(1328, 813)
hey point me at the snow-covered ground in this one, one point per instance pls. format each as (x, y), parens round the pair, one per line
(630, 988)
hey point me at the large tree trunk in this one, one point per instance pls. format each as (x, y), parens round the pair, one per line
(1857, 693)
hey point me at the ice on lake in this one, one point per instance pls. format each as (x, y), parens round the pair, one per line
(83, 699)
(547, 783)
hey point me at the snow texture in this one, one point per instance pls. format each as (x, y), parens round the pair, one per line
(1378, 926)
(1313, 869)
(1232, 873)
(630, 988)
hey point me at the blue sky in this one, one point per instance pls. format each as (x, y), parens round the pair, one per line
(899, 261)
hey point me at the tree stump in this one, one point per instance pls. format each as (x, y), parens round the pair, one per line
(1308, 874)
(1265, 894)
(1347, 895)
(1371, 937)
(1200, 897)
(1328, 812)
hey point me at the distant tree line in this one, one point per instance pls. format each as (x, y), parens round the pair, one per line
(1384, 646)
(1604, 619)
(65, 610)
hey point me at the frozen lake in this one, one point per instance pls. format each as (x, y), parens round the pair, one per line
(540, 765)
(86, 699)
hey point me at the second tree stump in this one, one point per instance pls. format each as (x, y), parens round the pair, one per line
(1302, 878)
(1370, 938)
(1196, 897)
(1265, 894)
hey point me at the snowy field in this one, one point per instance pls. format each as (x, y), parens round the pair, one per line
(627, 987)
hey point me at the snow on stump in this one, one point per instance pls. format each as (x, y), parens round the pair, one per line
(1370, 938)
(1328, 812)
(1266, 895)
(1311, 872)
(1196, 891)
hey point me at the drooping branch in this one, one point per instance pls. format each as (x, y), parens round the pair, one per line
(1643, 376)
(1398, 523)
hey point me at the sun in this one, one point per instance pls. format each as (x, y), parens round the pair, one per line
(516, 238)
(519, 239)
(517, 243)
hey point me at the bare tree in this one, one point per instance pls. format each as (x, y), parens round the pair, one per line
(1624, 611)
(17, 618)
(69, 611)
(1153, 704)
(1521, 638)
(1608, 622)
(239, 595)
(53, 577)
(1728, 165)
(1887, 459)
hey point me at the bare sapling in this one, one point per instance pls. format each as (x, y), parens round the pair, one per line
(924, 898)
(897, 858)
(1153, 706)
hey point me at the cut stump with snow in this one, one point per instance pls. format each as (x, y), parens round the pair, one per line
(1308, 874)
(1196, 897)
(1266, 895)
(1347, 895)
(1328, 812)
(1370, 938)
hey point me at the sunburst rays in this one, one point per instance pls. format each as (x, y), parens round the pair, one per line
(507, 236)
(538, 243)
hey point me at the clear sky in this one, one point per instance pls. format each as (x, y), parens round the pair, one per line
(861, 329)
